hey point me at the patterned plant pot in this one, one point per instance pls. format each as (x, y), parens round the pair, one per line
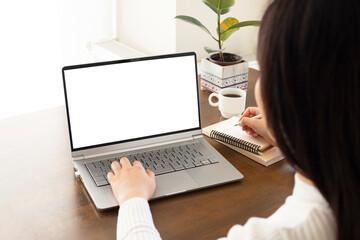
(215, 77)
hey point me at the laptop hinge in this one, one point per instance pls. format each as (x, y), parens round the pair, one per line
(197, 136)
(81, 157)
(78, 157)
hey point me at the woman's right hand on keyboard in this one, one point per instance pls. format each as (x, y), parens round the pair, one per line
(131, 181)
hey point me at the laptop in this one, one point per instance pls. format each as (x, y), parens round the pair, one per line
(146, 109)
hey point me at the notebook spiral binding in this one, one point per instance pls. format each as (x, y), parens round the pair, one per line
(251, 147)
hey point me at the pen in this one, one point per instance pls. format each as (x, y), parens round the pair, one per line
(254, 117)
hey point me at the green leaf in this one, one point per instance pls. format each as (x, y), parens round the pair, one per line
(210, 50)
(225, 26)
(231, 25)
(223, 3)
(194, 22)
(222, 11)
(245, 24)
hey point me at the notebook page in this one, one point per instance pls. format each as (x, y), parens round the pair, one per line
(228, 128)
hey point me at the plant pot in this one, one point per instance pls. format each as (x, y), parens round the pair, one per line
(215, 77)
(230, 59)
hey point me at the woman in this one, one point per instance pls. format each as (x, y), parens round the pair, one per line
(309, 96)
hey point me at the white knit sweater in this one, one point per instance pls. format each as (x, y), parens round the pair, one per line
(305, 215)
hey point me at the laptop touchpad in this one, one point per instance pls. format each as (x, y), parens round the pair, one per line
(173, 183)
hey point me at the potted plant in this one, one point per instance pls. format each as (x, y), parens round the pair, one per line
(222, 69)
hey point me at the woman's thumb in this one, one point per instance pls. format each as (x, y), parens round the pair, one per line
(249, 122)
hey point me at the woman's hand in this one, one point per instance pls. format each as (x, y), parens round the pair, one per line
(255, 127)
(251, 126)
(131, 181)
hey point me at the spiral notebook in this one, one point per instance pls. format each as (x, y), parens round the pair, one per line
(233, 137)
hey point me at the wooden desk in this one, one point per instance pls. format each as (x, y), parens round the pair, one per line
(41, 198)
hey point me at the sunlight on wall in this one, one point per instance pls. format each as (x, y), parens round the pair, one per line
(39, 37)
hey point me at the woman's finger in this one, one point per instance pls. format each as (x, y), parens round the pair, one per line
(110, 177)
(245, 114)
(137, 164)
(250, 112)
(249, 123)
(150, 173)
(115, 166)
(125, 163)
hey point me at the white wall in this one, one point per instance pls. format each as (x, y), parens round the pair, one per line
(29, 56)
(38, 37)
(192, 38)
(147, 26)
(41, 36)
(83, 21)
(150, 27)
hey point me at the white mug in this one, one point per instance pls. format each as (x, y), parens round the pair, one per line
(231, 101)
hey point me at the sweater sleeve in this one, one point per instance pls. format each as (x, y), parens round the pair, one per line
(254, 229)
(135, 221)
(316, 226)
(305, 215)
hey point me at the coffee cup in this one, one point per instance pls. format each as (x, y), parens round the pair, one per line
(231, 101)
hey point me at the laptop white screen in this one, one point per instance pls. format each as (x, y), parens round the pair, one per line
(131, 100)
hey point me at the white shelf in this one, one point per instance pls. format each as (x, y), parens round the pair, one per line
(108, 50)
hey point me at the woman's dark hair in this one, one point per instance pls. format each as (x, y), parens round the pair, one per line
(309, 56)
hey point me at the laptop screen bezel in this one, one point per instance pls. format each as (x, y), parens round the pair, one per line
(127, 61)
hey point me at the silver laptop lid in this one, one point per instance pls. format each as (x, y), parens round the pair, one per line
(122, 104)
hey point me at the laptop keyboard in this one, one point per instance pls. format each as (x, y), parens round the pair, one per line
(160, 161)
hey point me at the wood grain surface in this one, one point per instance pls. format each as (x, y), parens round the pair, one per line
(42, 199)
